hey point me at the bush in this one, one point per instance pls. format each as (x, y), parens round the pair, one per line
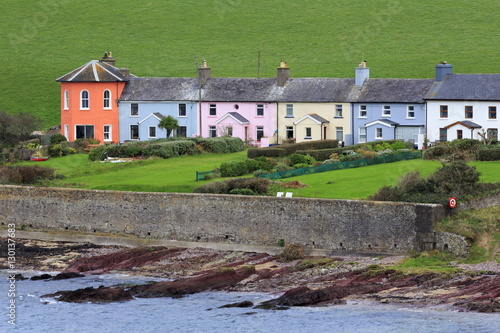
(256, 185)
(57, 138)
(469, 146)
(398, 145)
(242, 191)
(266, 152)
(298, 159)
(291, 252)
(437, 152)
(454, 177)
(233, 169)
(25, 174)
(485, 154)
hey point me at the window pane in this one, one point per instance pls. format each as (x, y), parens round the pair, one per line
(134, 132)
(182, 110)
(134, 109)
(260, 109)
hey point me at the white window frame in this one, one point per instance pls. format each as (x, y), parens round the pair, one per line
(132, 108)
(130, 132)
(66, 99)
(212, 131)
(338, 111)
(185, 110)
(363, 113)
(84, 100)
(149, 132)
(106, 100)
(339, 133)
(410, 109)
(289, 129)
(260, 109)
(212, 110)
(107, 133)
(361, 134)
(379, 133)
(308, 133)
(66, 131)
(386, 111)
(259, 130)
(289, 111)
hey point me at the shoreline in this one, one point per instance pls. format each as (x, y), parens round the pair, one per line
(304, 278)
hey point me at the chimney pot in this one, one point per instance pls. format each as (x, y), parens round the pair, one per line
(108, 58)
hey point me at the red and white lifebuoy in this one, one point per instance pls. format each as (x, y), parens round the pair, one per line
(452, 202)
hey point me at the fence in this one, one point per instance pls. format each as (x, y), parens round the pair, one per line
(326, 167)
(343, 165)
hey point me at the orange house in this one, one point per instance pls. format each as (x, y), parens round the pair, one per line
(89, 100)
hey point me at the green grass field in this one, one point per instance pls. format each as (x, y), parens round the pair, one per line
(44, 39)
(179, 175)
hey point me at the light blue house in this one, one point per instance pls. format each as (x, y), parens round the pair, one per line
(145, 101)
(388, 109)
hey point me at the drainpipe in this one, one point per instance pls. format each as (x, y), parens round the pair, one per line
(277, 123)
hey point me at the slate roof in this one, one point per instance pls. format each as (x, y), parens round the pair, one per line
(387, 121)
(466, 123)
(161, 89)
(239, 90)
(94, 71)
(480, 87)
(321, 90)
(235, 115)
(394, 90)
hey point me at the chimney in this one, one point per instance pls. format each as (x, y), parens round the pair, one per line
(442, 70)
(361, 74)
(125, 72)
(203, 73)
(108, 58)
(283, 74)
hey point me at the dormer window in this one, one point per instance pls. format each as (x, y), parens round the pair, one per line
(84, 100)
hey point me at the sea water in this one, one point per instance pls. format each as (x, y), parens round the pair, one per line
(201, 313)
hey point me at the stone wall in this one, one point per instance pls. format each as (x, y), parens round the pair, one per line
(317, 223)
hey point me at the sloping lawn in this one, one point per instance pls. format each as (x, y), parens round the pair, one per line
(179, 175)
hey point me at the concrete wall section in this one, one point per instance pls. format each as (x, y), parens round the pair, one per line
(319, 223)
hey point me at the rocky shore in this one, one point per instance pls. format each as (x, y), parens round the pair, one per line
(306, 281)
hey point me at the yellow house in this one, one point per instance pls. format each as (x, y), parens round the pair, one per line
(314, 109)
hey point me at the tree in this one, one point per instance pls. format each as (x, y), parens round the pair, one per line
(169, 124)
(16, 128)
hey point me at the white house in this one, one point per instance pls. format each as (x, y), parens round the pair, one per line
(460, 106)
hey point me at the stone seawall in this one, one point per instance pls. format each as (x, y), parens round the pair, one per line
(316, 223)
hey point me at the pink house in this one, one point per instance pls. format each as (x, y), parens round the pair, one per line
(238, 107)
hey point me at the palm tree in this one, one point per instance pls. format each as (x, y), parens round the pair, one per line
(168, 123)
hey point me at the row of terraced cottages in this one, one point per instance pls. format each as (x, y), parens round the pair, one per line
(107, 103)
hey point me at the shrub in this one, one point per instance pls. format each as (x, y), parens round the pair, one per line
(437, 152)
(283, 167)
(57, 138)
(291, 252)
(455, 176)
(257, 185)
(25, 174)
(214, 187)
(485, 154)
(350, 157)
(386, 193)
(55, 150)
(242, 191)
(298, 159)
(233, 169)
(469, 146)
(398, 145)
(266, 152)
(385, 152)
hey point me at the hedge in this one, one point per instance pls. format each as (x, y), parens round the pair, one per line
(167, 148)
(492, 154)
(290, 148)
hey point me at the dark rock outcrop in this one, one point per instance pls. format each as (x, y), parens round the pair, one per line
(127, 259)
(244, 304)
(92, 295)
(217, 279)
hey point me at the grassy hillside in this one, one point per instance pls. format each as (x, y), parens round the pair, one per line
(42, 40)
